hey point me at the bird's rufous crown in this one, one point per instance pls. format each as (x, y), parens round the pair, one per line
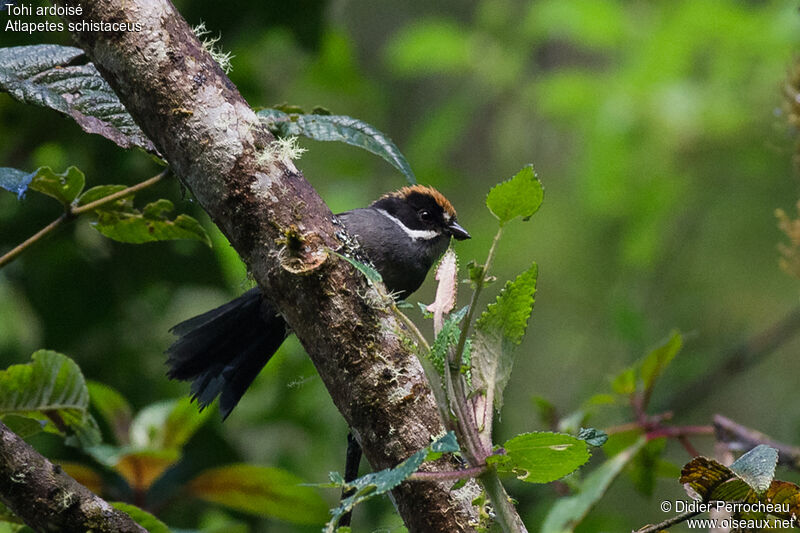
(438, 197)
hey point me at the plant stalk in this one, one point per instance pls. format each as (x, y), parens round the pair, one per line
(505, 513)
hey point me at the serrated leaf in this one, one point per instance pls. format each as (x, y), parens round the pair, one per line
(568, 512)
(149, 225)
(338, 128)
(701, 476)
(64, 187)
(113, 408)
(593, 436)
(784, 493)
(541, 457)
(42, 75)
(149, 522)
(658, 360)
(497, 331)
(447, 337)
(377, 483)
(520, 196)
(261, 491)
(14, 180)
(446, 290)
(369, 272)
(141, 468)
(757, 467)
(51, 385)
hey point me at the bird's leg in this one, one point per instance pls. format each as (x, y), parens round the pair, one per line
(352, 461)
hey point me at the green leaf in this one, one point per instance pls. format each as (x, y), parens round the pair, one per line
(568, 512)
(447, 337)
(430, 46)
(520, 196)
(14, 180)
(261, 491)
(757, 467)
(499, 329)
(338, 128)
(52, 386)
(369, 272)
(22, 425)
(657, 360)
(377, 483)
(643, 468)
(113, 408)
(64, 187)
(101, 191)
(42, 75)
(151, 224)
(541, 457)
(593, 437)
(141, 517)
(166, 425)
(625, 382)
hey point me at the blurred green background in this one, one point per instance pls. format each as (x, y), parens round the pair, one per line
(657, 128)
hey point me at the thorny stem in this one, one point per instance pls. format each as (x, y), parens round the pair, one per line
(506, 513)
(439, 393)
(460, 404)
(72, 212)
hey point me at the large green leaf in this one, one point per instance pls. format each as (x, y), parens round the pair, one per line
(113, 408)
(447, 337)
(377, 483)
(541, 457)
(142, 517)
(338, 128)
(166, 425)
(130, 225)
(520, 196)
(45, 75)
(261, 491)
(52, 386)
(568, 512)
(499, 329)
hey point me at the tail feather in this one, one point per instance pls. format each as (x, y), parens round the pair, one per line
(223, 350)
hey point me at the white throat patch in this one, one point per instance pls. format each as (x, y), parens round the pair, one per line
(414, 234)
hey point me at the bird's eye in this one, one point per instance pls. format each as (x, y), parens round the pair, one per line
(425, 216)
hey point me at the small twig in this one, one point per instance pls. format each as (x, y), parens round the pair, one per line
(679, 431)
(687, 445)
(73, 212)
(741, 438)
(668, 522)
(466, 473)
(17, 250)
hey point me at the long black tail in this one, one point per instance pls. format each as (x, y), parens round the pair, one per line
(222, 351)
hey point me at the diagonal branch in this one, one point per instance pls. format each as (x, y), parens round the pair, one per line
(216, 145)
(47, 499)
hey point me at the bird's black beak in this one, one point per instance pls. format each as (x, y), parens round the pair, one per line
(457, 231)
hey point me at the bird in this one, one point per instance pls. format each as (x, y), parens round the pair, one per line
(403, 233)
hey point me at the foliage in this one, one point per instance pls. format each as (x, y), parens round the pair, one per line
(661, 130)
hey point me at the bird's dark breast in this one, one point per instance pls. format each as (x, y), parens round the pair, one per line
(402, 262)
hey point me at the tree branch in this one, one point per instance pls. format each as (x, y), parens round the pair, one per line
(47, 499)
(217, 146)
